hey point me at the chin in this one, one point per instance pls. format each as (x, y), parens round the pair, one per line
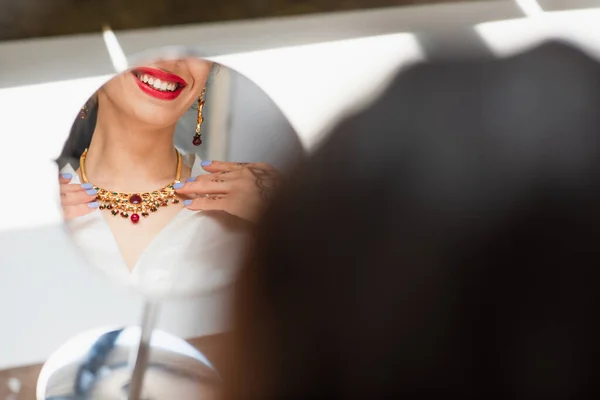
(158, 119)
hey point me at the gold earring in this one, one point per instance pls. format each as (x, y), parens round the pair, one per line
(198, 136)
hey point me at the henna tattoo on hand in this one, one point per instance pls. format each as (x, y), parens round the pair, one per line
(216, 197)
(266, 181)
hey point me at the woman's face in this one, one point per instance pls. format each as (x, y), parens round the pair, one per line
(160, 93)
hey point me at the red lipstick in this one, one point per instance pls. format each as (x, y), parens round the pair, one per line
(157, 74)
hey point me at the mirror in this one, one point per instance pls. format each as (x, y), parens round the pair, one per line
(166, 168)
(165, 171)
(95, 365)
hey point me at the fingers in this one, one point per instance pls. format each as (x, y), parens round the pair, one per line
(79, 210)
(66, 186)
(76, 200)
(64, 178)
(77, 197)
(243, 208)
(208, 203)
(204, 184)
(219, 166)
(71, 195)
(70, 188)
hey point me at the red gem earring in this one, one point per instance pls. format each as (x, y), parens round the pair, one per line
(198, 136)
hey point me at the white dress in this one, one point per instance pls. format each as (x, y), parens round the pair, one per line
(195, 256)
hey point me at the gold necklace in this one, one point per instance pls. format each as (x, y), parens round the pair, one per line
(132, 205)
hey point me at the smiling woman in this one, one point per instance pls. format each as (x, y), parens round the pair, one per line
(151, 214)
(145, 204)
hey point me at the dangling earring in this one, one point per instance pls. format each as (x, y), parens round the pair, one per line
(198, 136)
(83, 113)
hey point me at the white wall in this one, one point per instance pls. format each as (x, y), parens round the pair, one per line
(259, 131)
(242, 123)
(44, 284)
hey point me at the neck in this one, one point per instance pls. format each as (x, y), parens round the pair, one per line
(126, 155)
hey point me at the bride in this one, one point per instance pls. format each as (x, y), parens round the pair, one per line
(144, 213)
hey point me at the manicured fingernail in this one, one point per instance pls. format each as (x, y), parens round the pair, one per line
(87, 186)
(91, 192)
(93, 204)
(187, 202)
(206, 163)
(192, 179)
(66, 176)
(178, 185)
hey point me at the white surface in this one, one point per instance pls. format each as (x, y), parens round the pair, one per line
(54, 59)
(315, 85)
(58, 59)
(48, 294)
(580, 27)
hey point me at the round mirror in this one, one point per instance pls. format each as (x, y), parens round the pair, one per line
(166, 168)
(97, 365)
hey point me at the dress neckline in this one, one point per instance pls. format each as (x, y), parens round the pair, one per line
(194, 162)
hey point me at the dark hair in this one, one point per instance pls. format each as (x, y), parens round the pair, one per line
(445, 241)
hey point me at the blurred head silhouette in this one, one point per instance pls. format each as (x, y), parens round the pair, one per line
(442, 242)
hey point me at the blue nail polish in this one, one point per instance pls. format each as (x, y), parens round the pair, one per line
(87, 186)
(187, 202)
(66, 176)
(178, 185)
(206, 163)
(91, 192)
(93, 204)
(192, 179)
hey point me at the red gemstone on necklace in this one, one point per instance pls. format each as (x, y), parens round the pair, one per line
(135, 218)
(135, 199)
(197, 141)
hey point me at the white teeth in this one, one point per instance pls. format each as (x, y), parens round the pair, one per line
(158, 84)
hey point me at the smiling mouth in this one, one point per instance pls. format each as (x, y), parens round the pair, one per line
(156, 83)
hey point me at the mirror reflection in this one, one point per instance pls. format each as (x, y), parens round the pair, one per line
(166, 168)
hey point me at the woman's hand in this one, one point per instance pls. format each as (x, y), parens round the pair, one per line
(240, 189)
(76, 200)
